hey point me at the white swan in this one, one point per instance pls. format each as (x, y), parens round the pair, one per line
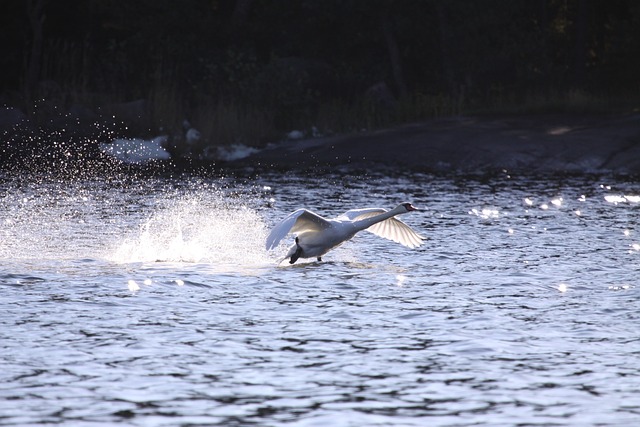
(315, 235)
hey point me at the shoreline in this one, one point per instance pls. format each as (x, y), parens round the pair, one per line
(542, 143)
(553, 143)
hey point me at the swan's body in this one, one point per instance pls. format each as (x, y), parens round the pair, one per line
(315, 235)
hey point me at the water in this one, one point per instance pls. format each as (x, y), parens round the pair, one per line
(152, 302)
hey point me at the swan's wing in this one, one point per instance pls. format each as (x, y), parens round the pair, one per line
(296, 222)
(398, 231)
(392, 228)
(357, 214)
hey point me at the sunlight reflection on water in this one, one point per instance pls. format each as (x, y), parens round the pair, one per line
(156, 304)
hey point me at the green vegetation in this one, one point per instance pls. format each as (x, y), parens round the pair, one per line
(248, 71)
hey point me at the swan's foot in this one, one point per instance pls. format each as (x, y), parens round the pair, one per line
(319, 259)
(296, 254)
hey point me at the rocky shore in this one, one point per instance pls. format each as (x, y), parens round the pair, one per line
(532, 143)
(545, 143)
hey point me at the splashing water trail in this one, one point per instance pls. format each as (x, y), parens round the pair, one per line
(197, 229)
(139, 223)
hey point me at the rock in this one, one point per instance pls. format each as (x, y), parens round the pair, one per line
(192, 136)
(136, 150)
(295, 135)
(476, 144)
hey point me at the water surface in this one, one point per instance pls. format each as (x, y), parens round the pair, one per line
(152, 302)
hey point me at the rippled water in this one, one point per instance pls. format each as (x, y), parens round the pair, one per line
(152, 302)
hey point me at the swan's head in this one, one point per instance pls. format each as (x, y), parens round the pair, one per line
(407, 207)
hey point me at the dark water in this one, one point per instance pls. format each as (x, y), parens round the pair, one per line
(152, 302)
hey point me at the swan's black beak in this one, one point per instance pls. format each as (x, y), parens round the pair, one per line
(410, 208)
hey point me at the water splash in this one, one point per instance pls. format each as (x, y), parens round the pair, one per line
(50, 221)
(133, 221)
(197, 228)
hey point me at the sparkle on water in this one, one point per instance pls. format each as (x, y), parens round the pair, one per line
(152, 302)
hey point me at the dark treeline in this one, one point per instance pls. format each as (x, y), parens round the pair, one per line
(242, 70)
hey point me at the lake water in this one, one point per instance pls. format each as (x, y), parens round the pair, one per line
(143, 301)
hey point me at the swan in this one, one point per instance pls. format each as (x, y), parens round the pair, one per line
(315, 235)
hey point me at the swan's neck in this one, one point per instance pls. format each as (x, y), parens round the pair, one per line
(368, 222)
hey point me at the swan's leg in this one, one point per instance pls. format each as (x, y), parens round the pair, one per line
(319, 258)
(297, 253)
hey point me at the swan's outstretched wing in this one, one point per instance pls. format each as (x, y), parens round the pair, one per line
(357, 214)
(296, 222)
(398, 231)
(392, 228)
